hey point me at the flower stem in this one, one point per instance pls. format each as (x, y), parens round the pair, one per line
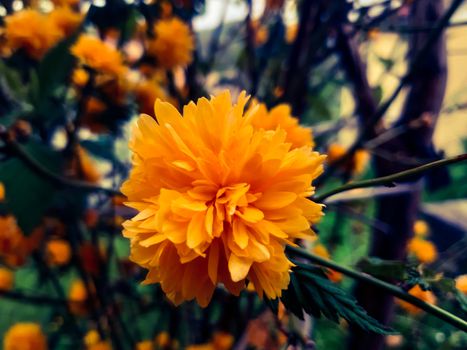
(390, 180)
(391, 289)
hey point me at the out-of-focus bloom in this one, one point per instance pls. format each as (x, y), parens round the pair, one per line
(222, 341)
(90, 258)
(394, 340)
(416, 291)
(77, 297)
(102, 345)
(98, 55)
(92, 110)
(2, 191)
(92, 337)
(373, 34)
(291, 33)
(21, 129)
(86, 166)
(13, 244)
(206, 346)
(80, 77)
(173, 43)
(425, 251)
(261, 35)
(218, 200)
(31, 31)
(281, 117)
(66, 19)
(146, 93)
(461, 283)
(25, 336)
(145, 345)
(323, 252)
(58, 252)
(162, 340)
(58, 3)
(420, 228)
(356, 165)
(6, 278)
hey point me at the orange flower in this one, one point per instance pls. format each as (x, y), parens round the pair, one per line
(78, 296)
(98, 55)
(426, 296)
(13, 245)
(355, 166)
(162, 340)
(280, 117)
(461, 283)
(146, 92)
(31, 31)
(58, 252)
(424, 251)
(24, 336)
(420, 228)
(145, 345)
(6, 279)
(66, 20)
(59, 3)
(291, 33)
(80, 77)
(218, 200)
(173, 44)
(87, 167)
(2, 192)
(222, 341)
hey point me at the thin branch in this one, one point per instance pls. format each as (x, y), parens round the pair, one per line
(391, 179)
(393, 290)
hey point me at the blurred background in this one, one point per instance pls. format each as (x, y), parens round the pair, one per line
(381, 84)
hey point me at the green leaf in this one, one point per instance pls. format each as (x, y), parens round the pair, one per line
(388, 269)
(28, 195)
(311, 291)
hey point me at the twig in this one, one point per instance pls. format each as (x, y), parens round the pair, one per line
(391, 179)
(393, 290)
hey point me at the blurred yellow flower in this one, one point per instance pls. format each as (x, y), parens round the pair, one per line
(2, 191)
(6, 278)
(13, 244)
(206, 346)
(77, 297)
(31, 31)
(173, 43)
(98, 55)
(92, 337)
(59, 3)
(461, 283)
(87, 167)
(162, 340)
(218, 200)
(416, 291)
(102, 345)
(66, 19)
(291, 33)
(425, 251)
(58, 252)
(356, 165)
(80, 77)
(145, 345)
(24, 336)
(146, 93)
(222, 341)
(281, 117)
(420, 228)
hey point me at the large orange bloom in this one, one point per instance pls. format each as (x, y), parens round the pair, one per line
(173, 44)
(25, 336)
(218, 199)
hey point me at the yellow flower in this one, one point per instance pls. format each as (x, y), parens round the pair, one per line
(87, 167)
(218, 200)
(426, 296)
(173, 44)
(146, 93)
(424, 251)
(98, 55)
(355, 166)
(31, 31)
(145, 345)
(77, 297)
(58, 252)
(92, 337)
(66, 19)
(24, 336)
(420, 228)
(280, 117)
(13, 244)
(461, 283)
(6, 279)
(222, 341)
(2, 192)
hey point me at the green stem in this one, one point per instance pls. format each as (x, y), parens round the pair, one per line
(18, 151)
(391, 289)
(391, 179)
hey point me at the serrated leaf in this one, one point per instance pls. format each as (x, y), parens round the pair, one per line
(28, 195)
(310, 290)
